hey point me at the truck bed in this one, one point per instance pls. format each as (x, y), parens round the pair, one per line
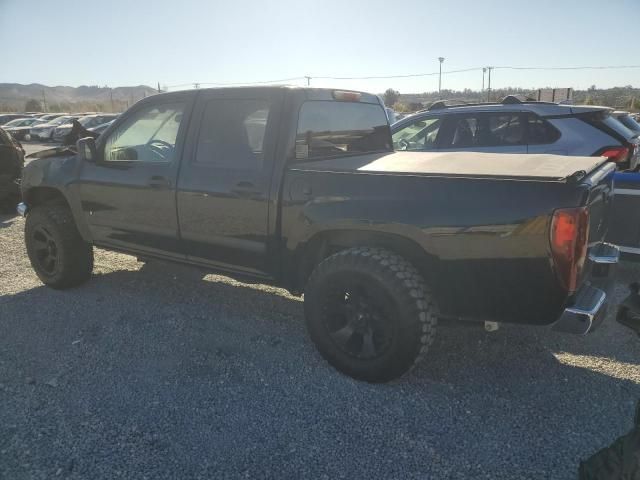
(542, 167)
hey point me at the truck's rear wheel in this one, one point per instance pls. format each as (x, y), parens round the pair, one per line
(370, 313)
(58, 254)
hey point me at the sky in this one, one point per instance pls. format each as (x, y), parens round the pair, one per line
(178, 43)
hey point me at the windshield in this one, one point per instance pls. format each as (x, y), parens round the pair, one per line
(331, 128)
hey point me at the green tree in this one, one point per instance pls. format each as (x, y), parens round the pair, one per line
(400, 107)
(391, 97)
(32, 105)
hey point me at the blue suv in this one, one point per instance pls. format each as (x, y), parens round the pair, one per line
(516, 126)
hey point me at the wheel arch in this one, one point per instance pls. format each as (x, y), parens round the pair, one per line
(37, 196)
(326, 243)
(47, 195)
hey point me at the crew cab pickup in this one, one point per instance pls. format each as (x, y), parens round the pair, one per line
(300, 187)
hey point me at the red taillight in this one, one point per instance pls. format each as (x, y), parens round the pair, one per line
(614, 154)
(569, 236)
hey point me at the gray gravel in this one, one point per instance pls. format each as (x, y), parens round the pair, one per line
(152, 371)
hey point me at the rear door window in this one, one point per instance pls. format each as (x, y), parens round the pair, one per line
(485, 129)
(232, 134)
(504, 130)
(466, 132)
(334, 128)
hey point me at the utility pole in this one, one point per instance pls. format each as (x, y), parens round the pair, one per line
(489, 85)
(440, 59)
(44, 102)
(111, 95)
(484, 71)
(308, 80)
(159, 91)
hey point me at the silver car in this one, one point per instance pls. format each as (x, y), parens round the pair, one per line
(44, 132)
(515, 126)
(88, 121)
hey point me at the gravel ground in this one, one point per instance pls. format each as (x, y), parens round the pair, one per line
(154, 371)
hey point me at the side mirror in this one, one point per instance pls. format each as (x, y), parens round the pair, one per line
(86, 149)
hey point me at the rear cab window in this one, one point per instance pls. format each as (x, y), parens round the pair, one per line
(330, 128)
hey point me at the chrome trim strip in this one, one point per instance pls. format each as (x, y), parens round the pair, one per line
(626, 191)
(634, 250)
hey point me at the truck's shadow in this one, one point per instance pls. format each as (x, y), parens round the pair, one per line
(165, 325)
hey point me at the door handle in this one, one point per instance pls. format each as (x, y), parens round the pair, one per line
(245, 189)
(158, 181)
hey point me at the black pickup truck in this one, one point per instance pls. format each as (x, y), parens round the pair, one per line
(300, 188)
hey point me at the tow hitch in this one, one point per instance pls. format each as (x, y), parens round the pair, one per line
(629, 310)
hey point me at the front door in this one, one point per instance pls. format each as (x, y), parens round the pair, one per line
(128, 193)
(224, 182)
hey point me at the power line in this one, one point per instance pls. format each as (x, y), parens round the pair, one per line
(280, 80)
(607, 67)
(409, 75)
(308, 78)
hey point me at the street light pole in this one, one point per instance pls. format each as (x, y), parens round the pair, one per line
(440, 59)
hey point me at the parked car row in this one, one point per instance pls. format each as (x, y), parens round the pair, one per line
(88, 122)
(51, 126)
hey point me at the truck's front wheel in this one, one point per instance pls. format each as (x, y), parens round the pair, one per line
(58, 254)
(370, 313)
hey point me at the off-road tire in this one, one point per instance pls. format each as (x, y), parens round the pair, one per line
(74, 256)
(402, 291)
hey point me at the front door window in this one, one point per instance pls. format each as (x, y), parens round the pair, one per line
(149, 135)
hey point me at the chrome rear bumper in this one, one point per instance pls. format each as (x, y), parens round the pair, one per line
(589, 306)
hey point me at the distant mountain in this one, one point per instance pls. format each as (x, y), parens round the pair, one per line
(14, 97)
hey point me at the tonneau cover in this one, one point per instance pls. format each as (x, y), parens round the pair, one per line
(540, 167)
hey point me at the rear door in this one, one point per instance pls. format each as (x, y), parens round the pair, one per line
(224, 182)
(499, 132)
